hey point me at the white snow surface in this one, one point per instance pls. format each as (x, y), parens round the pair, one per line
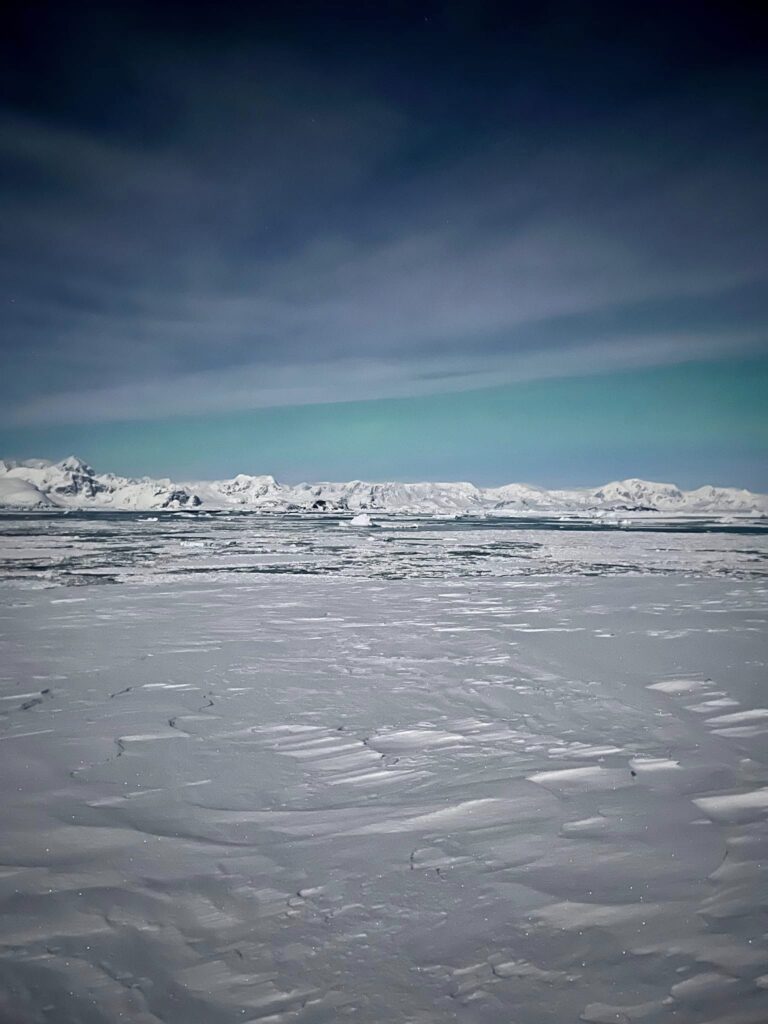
(306, 799)
(72, 483)
(18, 493)
(452, 770)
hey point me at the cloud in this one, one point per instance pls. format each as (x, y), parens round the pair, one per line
(295, 237)
(363, 378)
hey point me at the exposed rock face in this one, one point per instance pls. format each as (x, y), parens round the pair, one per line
(72, 483)
(179, 498)
(639, 495)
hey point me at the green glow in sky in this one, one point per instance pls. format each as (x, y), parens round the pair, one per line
(692, 424)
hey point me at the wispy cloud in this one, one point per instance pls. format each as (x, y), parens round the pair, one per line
(289, 242)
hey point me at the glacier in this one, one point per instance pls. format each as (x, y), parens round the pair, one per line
(72, 483)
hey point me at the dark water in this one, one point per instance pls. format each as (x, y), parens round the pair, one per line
(52, 548)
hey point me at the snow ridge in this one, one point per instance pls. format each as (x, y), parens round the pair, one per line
(72, 483)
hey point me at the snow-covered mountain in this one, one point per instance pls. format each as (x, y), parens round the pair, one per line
(72, 483)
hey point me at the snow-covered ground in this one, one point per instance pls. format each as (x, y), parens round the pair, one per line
(277, 769)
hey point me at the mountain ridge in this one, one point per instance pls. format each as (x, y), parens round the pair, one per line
(72, 483)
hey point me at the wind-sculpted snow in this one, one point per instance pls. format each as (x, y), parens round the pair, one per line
(306, 768)
(74, 484)
(303, 799)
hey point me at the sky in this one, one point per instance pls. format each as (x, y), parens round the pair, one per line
(495, 242)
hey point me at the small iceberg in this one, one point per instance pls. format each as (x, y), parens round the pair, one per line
(363, 519)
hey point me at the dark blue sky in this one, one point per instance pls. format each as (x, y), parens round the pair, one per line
(216, 216)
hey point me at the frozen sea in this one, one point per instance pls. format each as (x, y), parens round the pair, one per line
(279, 769)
